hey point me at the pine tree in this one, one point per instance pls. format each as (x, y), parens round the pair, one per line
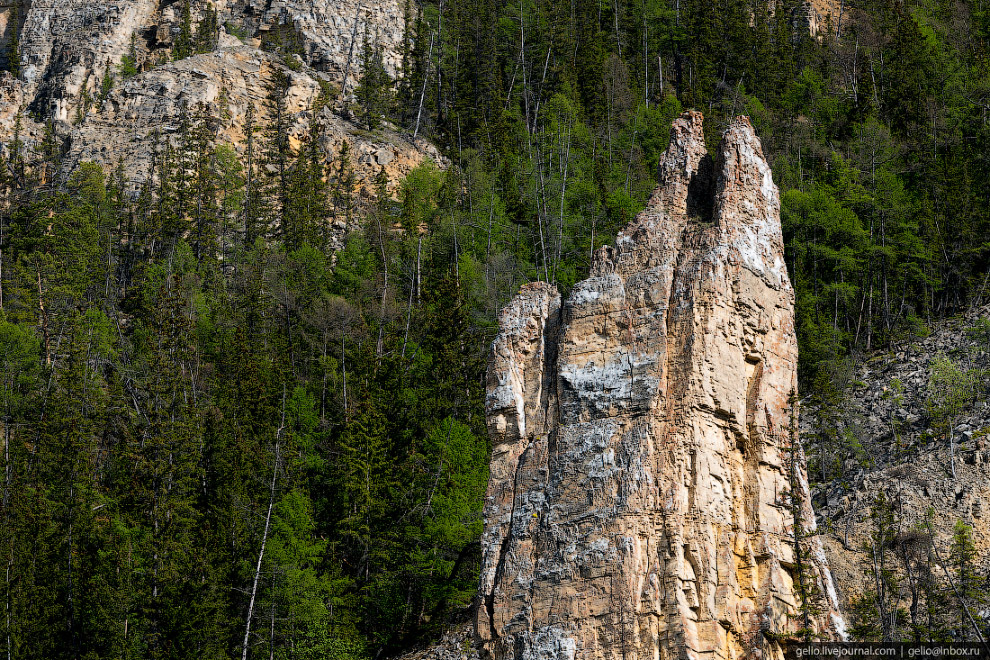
(185, 44)
(128, 67)
(374, 92)
(878, 609)
(204, 202)
(13, 59)
(278, 152)
(970, 587)
(256, 211)
(207, 32)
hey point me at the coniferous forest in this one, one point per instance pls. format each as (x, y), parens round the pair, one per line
(221, 436)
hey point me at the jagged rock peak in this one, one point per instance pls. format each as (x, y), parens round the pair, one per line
(640, 502)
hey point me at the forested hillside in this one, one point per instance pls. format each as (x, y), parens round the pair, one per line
(223, 439)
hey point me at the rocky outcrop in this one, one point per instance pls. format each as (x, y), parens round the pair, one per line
(226, 83)
(892, 447)
(332, 31)
(642, 500)
(67, 47)
(821, 18)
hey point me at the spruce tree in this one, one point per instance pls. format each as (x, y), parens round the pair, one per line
(13, 59)
(374, 92)
(185, 44)
(970, 587)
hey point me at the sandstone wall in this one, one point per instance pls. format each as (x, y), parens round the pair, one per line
(640, 502)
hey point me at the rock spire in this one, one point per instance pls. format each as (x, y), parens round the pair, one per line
(645, 488)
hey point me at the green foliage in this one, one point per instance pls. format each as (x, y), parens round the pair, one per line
(970, 587)
(238, 31)
(373, 92)
(149, 344)
(951, 390)
(877, 611)
(184, 45)
(195, 39)
(12, 59)
(128, 67)
(106, 84)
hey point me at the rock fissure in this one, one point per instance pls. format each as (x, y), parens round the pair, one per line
(505, 547)
(645, 460)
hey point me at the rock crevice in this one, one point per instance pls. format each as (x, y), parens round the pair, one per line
(642, 477)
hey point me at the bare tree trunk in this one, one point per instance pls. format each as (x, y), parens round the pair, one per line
(426, 80)
(615, 16)
(948, 576)
(439, 60)
(543, 80)
(323, 389)
(881, 588)
(413, 288)
(6, 496)
(660, 70)
(350, 55)
(419, 274)
(343, 366)
(646, 62)
(1, 265)
(44, 322)
(563, 190)
(271, 633)
(381, 314)
(522, 59)
(264, 535)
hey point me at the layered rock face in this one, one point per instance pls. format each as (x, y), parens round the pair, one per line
(333, 30)
(68, 47)
(227, 82)
(641, 502)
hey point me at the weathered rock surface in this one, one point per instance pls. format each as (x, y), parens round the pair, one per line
(332, 31)
(640, 496)
(884, 409)
(822, 18)
(67, 46)
(458, 643)
(226, 83)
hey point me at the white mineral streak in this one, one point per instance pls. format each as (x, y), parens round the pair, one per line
(639, 497)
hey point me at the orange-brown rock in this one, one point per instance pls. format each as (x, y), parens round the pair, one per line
(642, 494)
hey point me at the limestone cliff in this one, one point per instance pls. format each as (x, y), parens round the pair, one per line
(641, 501)
(68, 47)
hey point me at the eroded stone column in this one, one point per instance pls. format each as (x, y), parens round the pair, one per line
(640, 497)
